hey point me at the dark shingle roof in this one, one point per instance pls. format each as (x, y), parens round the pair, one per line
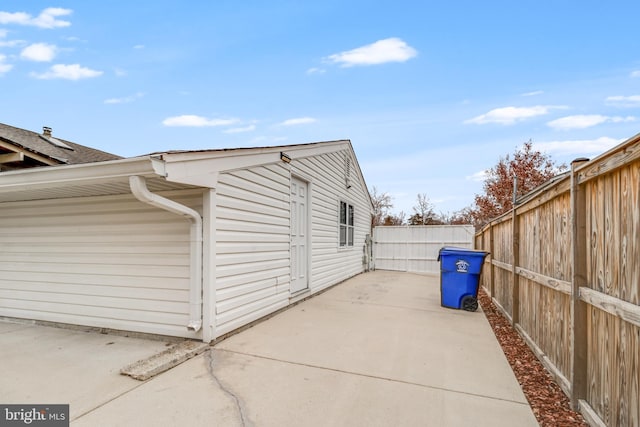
(36, 143)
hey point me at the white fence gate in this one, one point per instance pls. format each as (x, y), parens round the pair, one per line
(415, 248)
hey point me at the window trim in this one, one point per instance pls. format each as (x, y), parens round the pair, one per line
(346, 229)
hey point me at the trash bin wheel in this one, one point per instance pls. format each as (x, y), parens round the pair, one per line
(469, 303)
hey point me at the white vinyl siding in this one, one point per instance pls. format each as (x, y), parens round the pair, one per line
(253, 235)
(109, 262)
(252, 245)
(330, 263)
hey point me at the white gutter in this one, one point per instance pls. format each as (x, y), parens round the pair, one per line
(141, 192)
(82, 174)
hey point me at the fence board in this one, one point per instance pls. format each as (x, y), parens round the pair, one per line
(630, 230)
(633, 389)
(612, 231)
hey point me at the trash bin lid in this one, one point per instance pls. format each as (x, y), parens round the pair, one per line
(453, 250)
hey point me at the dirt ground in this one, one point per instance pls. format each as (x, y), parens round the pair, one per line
(550, 405)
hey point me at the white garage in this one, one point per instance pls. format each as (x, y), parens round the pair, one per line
(190, 244)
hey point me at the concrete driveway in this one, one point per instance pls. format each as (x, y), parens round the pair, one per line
(376, 350)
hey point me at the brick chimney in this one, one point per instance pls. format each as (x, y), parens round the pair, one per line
(46, 131)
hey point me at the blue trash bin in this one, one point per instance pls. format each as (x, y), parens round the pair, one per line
(459, 277)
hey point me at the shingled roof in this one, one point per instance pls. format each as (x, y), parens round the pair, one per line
(20, 148)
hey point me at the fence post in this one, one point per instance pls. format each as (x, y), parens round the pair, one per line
(491, 252)
(515, 257)
(578, 324)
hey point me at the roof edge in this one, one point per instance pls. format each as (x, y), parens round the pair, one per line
(83, 173)
(187, 155)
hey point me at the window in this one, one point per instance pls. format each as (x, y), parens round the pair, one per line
(346, 224)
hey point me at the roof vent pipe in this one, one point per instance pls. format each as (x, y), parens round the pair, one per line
(139, 189)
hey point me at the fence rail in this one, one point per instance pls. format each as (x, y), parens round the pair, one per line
(564, 267)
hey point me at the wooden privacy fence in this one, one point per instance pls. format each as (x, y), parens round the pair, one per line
(565, 269)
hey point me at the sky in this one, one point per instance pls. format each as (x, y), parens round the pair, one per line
(431, 94)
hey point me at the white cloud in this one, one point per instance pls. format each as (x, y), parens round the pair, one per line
(125, 100)
(635, 73)
(4, 67)
(241, 130)
(586, 121)
(67, 72)
(139, 46)
(477, 177)
(298, 121)
(12, 43)
(618, 119)
(380, 52)
(40, 52)
(510, 115)
(316, 71)
(20, 18)
(534, 93)
(623, 101)
(188, 120)
(9, 43)
(578, 147)
(48, 18)
(119, 72)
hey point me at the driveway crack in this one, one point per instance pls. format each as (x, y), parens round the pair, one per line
(246, 422)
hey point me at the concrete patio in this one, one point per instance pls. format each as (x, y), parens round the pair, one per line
(376, 350)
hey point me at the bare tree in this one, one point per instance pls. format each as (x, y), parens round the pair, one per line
(381, 205)
(423, 212)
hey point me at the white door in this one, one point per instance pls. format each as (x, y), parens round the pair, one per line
(299, 235)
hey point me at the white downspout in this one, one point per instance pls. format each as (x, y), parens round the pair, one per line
(139, 189)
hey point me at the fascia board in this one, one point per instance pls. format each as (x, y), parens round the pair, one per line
(87, 173)
(303, 151)
(203, 168)
(35, 156)
(12, 157)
